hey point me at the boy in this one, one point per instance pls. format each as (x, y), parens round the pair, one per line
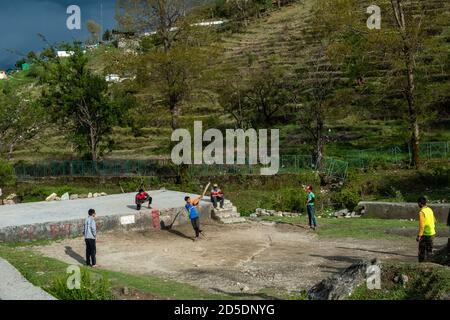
(310, 207)
(141, 198)
(426, 230)
(193, 214)
(217, 196)
(90, 236)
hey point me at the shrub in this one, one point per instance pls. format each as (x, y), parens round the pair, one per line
(90, 289)
(7, 174)
(348, 198)
(290, 200)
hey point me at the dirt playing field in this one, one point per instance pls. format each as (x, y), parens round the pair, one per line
(233, 258)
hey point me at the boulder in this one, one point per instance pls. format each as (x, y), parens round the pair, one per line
(8, 202)
(340, 286)
(82, 196)
(51, 197)
(253, 216)
(96, 195)
(74, 197)
(103, 194)
(57, 199)
(12, 199)
(89, 195)
(65, 197)
(341, 213)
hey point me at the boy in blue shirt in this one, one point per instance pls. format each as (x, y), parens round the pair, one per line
(193, 214)
(310, 208)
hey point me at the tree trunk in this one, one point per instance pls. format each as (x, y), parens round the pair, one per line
(397, 7)
(318, 152)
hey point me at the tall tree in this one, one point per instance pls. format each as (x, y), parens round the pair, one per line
(79, 100)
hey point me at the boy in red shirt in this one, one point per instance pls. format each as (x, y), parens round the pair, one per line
(141, 198)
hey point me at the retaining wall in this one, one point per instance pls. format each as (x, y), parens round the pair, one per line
(74, 228)
(399, 210)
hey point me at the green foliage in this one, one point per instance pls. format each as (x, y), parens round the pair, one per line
(93, 287)
(79, 100)
(289, 200)
(7, 174)
(347, 198)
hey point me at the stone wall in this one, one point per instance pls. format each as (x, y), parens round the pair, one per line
(74, 228)
(399, 210)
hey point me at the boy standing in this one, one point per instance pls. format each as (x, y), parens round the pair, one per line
(310, 207)
(426, 230)
(90, 236)
(193, 214)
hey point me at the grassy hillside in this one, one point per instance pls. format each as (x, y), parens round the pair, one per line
(284, 37)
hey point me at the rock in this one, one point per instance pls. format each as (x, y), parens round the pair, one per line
(89, 195)
(74, 197)
(244, 288)
(341, 213)
(125, 291)
(278, 214)
(340, 286)
(103, 194)
(82, 196)
(253, 216)
(65, 197)
(8, 202)
(402, 279)
(51, 197)
(96, 195)
(57, 199)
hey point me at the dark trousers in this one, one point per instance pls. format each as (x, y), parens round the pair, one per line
(196, 225)
(311, 216)
(91, 251)
(139, 203)
(216, 200)
(425, 248)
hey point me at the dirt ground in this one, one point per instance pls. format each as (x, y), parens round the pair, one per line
(233, 258)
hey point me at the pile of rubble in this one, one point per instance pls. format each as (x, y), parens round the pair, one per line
(66, 196)
(345, 213)
(11, 199)
(272, 213)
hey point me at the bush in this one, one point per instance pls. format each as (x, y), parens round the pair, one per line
(90, 289)
(289, 200)
(348, 198)
(7, 174)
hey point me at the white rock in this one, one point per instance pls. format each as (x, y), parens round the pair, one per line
(90, 195)
(74, 197)
(103, 194)
(51, 197)
(57, 199)
(96, 195)
(65, 197)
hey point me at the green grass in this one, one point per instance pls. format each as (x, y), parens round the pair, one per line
(44, 272)
(361, 228)
(426, 282)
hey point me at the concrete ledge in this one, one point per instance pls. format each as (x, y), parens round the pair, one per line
(402, 210)
(13, 286)
(74, 228)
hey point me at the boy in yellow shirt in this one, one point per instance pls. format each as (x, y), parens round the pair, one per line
(427, 230)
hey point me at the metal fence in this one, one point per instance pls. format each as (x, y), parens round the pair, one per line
(131, 168)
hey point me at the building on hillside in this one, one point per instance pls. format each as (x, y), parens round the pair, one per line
(3, 75)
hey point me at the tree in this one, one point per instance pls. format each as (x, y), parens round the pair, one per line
(400, 67)
(315, 92)
(94, 29)
(178, 60)
(21, 118)
(79, 100)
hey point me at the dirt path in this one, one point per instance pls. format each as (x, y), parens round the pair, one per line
(233, 258)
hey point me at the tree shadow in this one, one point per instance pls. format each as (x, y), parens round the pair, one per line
(262, 296)
(71, 253)
(383, 252)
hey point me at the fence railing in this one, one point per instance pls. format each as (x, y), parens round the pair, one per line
(129, 168)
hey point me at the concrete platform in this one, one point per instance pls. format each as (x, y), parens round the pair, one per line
(44, 220)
